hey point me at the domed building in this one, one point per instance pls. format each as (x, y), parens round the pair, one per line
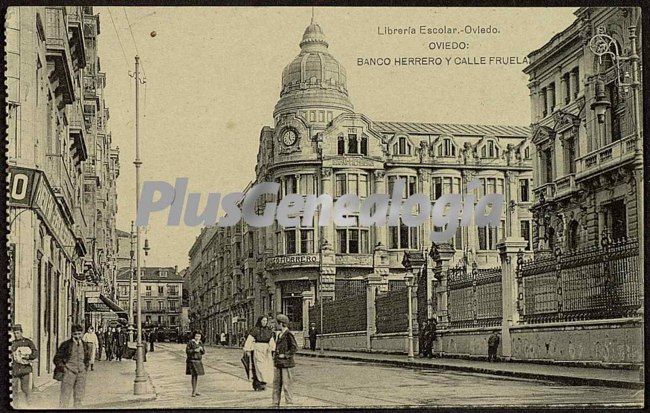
(318, 145)
(314, 80)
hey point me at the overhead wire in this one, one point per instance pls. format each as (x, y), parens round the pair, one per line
(126, 62)
(135, 44)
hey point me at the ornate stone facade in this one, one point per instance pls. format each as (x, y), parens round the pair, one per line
(586, 166)
(320, 145)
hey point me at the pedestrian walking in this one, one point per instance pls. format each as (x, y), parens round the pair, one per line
(493, 345)
(260, 345)
(193, 364)
(283, 361)
(432, 336)
(71, 362)
(109, 342)
(152, 338)
(422, 338)
(119, 339)
(223, 338)
(312, 336)
(91, 338)
(100, 341)
(23, 354)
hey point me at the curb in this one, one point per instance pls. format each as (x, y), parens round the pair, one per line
(127, 402)
(572, 380)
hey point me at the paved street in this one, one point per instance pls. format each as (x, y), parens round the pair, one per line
(339, 383)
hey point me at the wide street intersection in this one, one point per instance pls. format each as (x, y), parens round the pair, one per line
(322, 382)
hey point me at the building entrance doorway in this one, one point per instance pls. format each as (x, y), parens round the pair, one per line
(292, 308)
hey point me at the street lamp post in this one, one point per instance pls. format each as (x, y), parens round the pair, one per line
(132, 253)
(408, 278)
(320, 298)
(139, 384)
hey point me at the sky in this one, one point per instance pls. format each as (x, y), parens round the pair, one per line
(213, 78)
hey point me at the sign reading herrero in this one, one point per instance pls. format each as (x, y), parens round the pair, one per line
(303, 260)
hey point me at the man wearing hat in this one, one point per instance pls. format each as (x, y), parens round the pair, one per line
(71, 362)
(285, 348)
(23, 352)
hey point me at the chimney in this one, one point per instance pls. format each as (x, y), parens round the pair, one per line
(175, 269)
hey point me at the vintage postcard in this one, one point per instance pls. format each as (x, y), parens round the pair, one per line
(309, 207)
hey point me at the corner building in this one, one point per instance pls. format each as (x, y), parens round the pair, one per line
(319, 145)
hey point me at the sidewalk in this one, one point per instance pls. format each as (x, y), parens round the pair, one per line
(109, 385)
(590, 376)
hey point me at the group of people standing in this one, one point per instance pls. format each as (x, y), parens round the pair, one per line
(271, 352)
(113, 341)
(427, 337)
(72, 360)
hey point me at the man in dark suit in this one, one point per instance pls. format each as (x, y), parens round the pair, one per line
(108, 342)
(312, 336)
(152, 339)
(493, 345)
(120, 343)
(285, 348)
(71, 363)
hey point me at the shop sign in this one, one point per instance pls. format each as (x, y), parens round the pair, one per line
(22, 185)
(283, 261)
(48, 208)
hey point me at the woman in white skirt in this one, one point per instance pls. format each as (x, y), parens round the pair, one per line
(260, 344)
(91, 337)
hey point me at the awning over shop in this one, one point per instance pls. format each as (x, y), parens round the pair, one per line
(97, 308)
(112, 306)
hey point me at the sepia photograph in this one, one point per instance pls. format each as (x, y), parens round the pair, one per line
(247, 207)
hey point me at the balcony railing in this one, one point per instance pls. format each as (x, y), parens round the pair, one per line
(609, 156)
(546, 190)
(565, 184)
(59, 178)
(58, 51)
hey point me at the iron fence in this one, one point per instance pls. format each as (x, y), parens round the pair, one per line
(592, 283)
(392, 311)
(474, 297)
(349, 288)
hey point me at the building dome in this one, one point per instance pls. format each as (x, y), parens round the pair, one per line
(314, 78)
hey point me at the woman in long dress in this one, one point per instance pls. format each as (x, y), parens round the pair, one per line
(193, 364)
(91, 337)
(260, 343)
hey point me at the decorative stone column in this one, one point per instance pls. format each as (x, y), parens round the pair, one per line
(550, 100)
(573, 83)
(307, 301)
(381, 266)
(381, 233)
(277, 299)
(374, 282)
(508, 250)
(327, 271)
(441, 255)
(326, 233)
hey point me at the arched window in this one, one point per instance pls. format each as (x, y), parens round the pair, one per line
(447, 148)
(402, 146)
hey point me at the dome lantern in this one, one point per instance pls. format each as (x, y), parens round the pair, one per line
(314, 78)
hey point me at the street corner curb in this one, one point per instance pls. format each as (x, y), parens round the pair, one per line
(129, 401)
(572, 380)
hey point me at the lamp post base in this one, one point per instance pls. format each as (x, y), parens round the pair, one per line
(140, 382)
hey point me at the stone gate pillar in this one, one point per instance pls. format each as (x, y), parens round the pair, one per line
(307, 301)
(508, 250)
(374, 282)
(441, 255)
